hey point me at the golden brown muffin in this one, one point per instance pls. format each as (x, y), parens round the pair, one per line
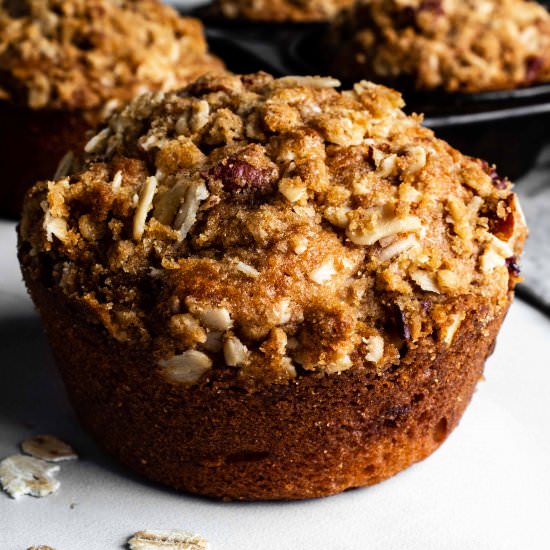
(452, 45)
(65, 64)
(269, 289)
(280, 10)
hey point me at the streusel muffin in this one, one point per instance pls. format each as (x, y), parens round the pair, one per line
(452, 45)
(64, 64)
(280, 10)
(262, 288)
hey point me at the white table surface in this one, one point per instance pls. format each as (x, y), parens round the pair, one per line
(488, 487)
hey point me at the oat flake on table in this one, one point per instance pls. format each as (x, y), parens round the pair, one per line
(26, 475)
(49, 448)
(167, 540)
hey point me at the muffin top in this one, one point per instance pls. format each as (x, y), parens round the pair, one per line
(81, 54)
(273, 228)
(280, 10)
(453, 45)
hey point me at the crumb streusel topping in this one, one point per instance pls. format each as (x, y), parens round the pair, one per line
(280, 10)
(84, 54)
(274, 227)
(454, 45)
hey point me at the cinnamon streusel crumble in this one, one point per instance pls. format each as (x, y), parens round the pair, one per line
(453, 45)
(273, 224)
(83, 54)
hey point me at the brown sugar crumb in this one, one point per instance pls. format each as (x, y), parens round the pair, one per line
(95, 54)
(279, 10)
(344, 234)
(454, 45)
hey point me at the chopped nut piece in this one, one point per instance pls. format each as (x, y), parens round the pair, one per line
(282, 313)
(338, 215)
(425, 280)
(186, 217)
(293, 189)
(417, 159)
(145, 204)
(375, 348)
(54, 227)
(169, 540)
(247, 269)
(96, 143)
(26, 475)
(398, 247)
(216, 319)
(448, 332)
(48, 448)
(187, 329)
(234, 352)
(491, 259)
(323, 273)
(387, 165)
(341, 364)
(378, 224)
(41, 547)
(299, 244)
(117, 181)
(186, 368)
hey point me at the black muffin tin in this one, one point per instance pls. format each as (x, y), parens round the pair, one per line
(507, 128)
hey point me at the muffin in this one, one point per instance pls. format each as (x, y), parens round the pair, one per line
(262, 288)
(450, 45)
(64, 64)
(280, 10)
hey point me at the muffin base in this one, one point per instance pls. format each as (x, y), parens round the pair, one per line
(32, 142)
(315, 436)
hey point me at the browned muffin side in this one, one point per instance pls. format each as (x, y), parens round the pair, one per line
(64, 65)
(451, 45)
(269, 289)
(280, 10)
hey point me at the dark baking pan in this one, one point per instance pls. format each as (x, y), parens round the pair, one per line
(507, 128)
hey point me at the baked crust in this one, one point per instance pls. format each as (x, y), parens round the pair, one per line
(316, 436)
(451, 45)
(280, 10)
(254, 251)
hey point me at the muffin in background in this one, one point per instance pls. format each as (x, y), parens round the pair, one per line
(65, 64)
(262, 288)
(449, 45)
(280, 10)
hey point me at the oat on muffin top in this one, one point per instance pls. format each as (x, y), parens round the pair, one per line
(454, 45)
(280, 10)
(80, 54)
(275, 227)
